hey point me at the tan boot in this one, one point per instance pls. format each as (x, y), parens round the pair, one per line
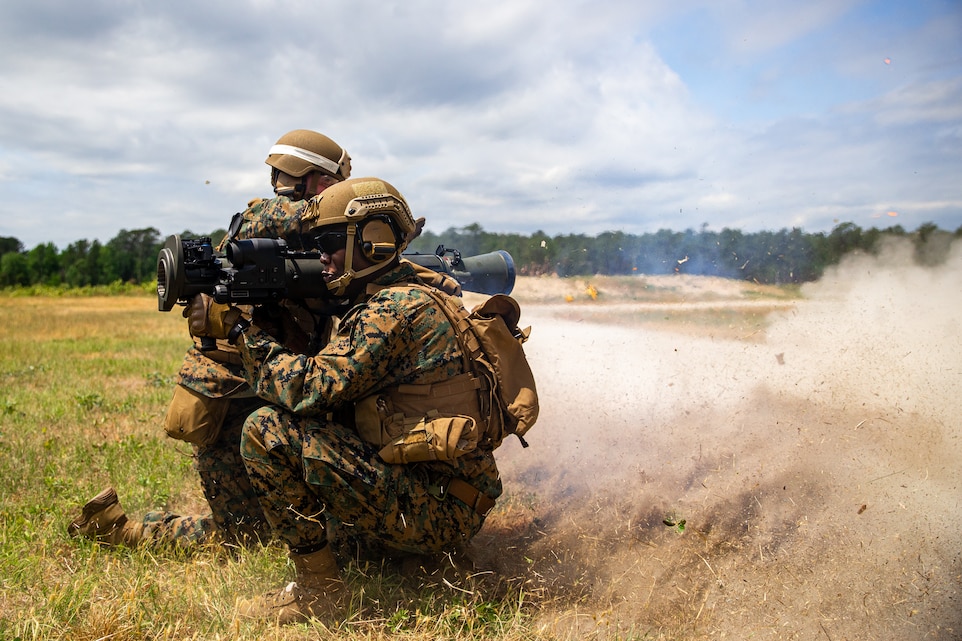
(102, 519)
(318, 593)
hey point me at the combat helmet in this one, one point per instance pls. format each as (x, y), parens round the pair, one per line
(300, 151)
(367, 210)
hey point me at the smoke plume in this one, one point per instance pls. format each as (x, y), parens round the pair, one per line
(803, 484)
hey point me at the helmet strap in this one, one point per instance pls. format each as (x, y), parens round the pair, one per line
(299, 190)
(294, 192)
(339, 285)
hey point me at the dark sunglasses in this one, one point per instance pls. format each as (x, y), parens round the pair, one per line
(331, 241)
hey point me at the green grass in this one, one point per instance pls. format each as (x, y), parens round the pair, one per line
(84, 384)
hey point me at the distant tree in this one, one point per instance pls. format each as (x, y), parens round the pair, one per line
(132, 255)
(765, 256)
(537, 255)
(926, 231)
(10, 244)
(81, 264)
(43, 263)
(569, 255)
(844, 238)
(14, 269)
(217, 235)
(470, 241)
(73, 261)
(731, 256)
(614, 257)
(798, 258)
(96, 258)
(661, 252)
(932, 245)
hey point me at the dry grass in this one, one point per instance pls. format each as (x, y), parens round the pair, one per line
(807, 514)
(85, 385)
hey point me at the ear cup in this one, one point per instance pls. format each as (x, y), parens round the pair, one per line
(378, 239)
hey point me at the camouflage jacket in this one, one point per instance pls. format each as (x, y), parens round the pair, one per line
(396, 336)
(220, 373)
(277, 217)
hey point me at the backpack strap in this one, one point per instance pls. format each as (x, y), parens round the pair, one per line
(471, 352)
(468, 342)
(454, 310)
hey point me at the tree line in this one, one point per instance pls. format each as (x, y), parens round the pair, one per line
(129, 257)
(769, 257)
(785, 256)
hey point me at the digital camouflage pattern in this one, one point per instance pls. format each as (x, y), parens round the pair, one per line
(313, 474)
(397, 336)
(235, 514)
(221, 374)
(277, 217)
(307, 468)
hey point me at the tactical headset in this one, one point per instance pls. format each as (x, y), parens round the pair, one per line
(372, 212)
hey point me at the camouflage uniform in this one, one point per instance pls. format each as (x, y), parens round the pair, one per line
(308, 464)
(235, 514)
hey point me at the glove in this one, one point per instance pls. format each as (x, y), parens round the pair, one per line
(282, 326)
(268, 318)
(207, 318)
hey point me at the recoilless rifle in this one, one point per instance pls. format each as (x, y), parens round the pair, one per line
(256, 271)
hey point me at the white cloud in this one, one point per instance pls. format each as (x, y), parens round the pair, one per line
(758, 27)
(566, 116)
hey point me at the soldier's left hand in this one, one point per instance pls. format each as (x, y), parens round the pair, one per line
(208, 318)
(281, 325)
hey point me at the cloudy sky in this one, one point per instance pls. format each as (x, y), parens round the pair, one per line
(565, 116)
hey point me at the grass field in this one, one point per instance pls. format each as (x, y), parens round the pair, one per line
(714, 460)
(85, 385)
(85, 381)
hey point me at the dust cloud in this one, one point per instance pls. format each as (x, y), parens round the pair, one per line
(805, 485)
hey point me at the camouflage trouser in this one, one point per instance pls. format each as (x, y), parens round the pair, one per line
(168, 528)
(310, 473)
(235, 515)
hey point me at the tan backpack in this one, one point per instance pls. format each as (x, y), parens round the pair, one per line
(496, 395)
(492, 344)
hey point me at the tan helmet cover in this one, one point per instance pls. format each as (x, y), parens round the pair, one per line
(360, 204)
(301, 151)
(355, 200)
